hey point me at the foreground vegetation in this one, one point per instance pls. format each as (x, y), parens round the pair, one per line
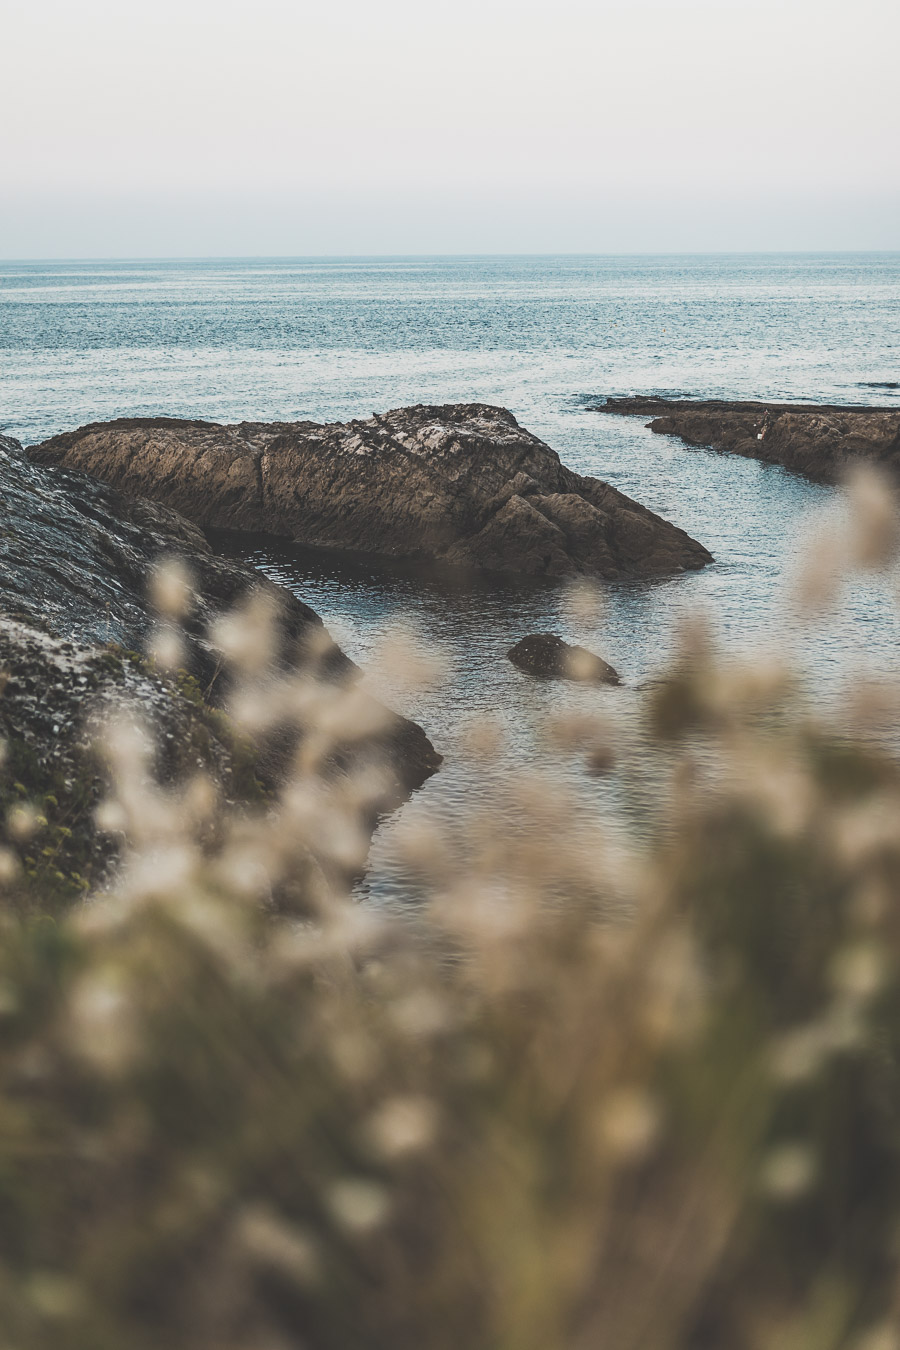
(595, 1097)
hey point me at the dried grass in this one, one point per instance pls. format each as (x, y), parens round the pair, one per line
(235, 1121)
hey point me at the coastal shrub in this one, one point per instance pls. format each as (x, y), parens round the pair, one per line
(596, 1093)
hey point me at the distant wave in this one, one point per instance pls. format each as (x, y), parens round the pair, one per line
(879, 384)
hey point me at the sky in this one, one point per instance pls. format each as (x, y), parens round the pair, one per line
(291, 128)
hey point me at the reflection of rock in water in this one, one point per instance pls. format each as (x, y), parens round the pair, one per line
(462, 484)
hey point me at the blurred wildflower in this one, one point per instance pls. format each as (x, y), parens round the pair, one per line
(403, 1125)
(628, 1124)
(272, 1243)
(247, 637)
(788, 1172)
(99, 1022)
(798, 1055)
(584, 603)
(23, 822)
(166, 648)
(821, 574)
(405, 662)
(10, 867)
(873, 517)
(358, 1205)
(858, 972)
(172, 590)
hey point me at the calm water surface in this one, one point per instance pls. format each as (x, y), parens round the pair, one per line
(545, 337)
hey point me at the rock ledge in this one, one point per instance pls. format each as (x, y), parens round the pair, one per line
(461, 484)
(820, 441)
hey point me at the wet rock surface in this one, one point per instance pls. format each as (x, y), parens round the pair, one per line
(75, 558)
(56, 697)
(461, 484)
(821, 442)
(547, 656)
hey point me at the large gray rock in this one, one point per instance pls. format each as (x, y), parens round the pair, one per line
(462, 484)
(75, 556)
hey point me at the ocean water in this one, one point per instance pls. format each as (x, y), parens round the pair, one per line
(547, 338)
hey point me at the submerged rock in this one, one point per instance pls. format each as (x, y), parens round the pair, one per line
(75, 557)
(546, 655)
(819, 441)
(462, 485)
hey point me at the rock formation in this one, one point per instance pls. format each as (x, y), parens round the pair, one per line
(75, 556)
(821, 442)
(462, 485)
(547, 656)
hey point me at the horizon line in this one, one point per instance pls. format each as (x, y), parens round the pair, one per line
(366, 257)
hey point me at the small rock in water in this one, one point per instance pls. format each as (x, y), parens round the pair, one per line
(548, 656)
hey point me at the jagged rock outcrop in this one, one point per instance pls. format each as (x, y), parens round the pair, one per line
(549, 657)
(462, 484)
(821, 442)
(75, 557)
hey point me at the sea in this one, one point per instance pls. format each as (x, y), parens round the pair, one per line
(549, 338)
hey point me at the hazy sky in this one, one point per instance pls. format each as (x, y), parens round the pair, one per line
(288, 127)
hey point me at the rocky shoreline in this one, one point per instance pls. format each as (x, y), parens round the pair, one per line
(820, 441)
(460, 485)
(75, 618)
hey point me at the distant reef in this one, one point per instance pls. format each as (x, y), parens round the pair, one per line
(820, 441)
(462, 485)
